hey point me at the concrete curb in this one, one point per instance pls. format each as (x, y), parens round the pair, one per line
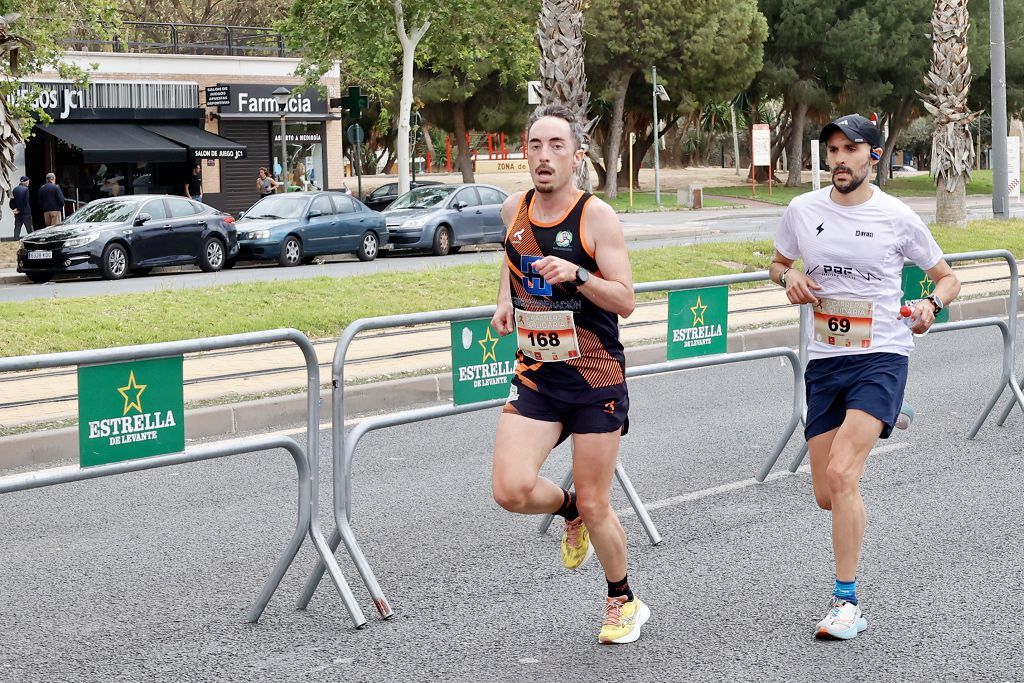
(47, 447)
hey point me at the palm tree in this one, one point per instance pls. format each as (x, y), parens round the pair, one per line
(949, 80)
(563, 78)
(10, 135)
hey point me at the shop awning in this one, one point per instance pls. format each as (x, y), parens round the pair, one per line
(200, 143)
(116, 142)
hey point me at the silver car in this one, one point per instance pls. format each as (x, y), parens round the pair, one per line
(444, 218)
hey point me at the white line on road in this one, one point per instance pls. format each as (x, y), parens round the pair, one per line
(742, 484)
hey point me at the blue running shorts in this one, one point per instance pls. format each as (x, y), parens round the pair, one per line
(872, 382)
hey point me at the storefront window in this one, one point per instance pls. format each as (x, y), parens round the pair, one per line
(305, 155)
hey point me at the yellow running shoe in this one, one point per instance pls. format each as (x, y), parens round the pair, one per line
(576, 548)
(622, 620)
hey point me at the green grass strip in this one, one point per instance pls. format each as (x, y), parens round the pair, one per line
(901, 186)
(323, 306)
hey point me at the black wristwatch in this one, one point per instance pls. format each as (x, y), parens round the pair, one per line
(936, 302)
(582, 277)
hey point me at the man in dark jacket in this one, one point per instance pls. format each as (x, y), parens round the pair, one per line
(51, 201)
(22, 210)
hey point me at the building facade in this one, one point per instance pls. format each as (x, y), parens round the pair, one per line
(143, 122)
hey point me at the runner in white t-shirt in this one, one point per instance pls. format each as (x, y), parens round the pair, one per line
(853, 239)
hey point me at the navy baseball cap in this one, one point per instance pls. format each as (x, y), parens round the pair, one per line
(855, 127)
(23, 178)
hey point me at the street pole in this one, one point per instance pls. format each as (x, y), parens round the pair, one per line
(284, 153)
(735, 137)
(1000, 175)
(415, 130)
(657, 167)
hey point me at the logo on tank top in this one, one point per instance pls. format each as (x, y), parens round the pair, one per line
(517, 236)
(563, 239)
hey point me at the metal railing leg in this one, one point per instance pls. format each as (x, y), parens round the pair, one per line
(298, 536)
(329, 563)
(318, 572)
(1016, 398)
(795, 465)
(780, 446)
(638, 505)
(380, 601)
(1009, 406)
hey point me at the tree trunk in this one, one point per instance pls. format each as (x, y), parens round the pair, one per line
(562, 73)
(951, 201)
(464, 162)
(428, 145)
(949, 81)
(613, 143)
(898, 121)
(409, 43)
(795, 153)
(598, 162)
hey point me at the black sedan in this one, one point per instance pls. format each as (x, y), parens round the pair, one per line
(130, 234)
(297, 227)
(381, 198)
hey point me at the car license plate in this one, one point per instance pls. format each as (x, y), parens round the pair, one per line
(39, 255)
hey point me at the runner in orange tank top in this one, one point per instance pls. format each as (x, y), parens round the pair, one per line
(565, 282)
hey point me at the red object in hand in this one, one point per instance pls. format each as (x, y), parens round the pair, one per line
(905, 312)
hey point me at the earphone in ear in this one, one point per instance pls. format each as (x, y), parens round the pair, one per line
(876, 153)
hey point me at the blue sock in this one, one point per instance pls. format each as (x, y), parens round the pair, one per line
(846, 590)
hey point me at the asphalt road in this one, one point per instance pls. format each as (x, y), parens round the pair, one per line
(148, 576)
(642, 230)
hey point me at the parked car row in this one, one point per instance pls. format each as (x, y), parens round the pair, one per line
(133, 234)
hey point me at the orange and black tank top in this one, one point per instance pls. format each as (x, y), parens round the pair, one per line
(600, 361)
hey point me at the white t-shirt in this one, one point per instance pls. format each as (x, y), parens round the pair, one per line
(856, 254)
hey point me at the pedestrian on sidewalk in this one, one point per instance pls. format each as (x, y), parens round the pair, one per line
(265, 184)
(21, 207)
(853, 239)
(194, 184)
(51, 201)
(561, 291)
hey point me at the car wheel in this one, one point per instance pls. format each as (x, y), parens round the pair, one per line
(141, 272)
(114, 264)
(291, 252)
(211, 258)
(39, 278)
(442, 241)
(369, 246)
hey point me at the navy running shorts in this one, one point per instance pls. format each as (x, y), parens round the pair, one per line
(871, 382)
(596, 411)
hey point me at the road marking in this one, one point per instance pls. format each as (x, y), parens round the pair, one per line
(742, 484)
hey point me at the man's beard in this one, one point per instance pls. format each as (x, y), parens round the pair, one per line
(853, 183)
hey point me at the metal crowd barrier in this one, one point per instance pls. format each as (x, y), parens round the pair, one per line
(344, 446)
(306, 462)
(1008, 329)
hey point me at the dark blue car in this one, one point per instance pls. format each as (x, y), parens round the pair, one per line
(131, 234)
(297, 227)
